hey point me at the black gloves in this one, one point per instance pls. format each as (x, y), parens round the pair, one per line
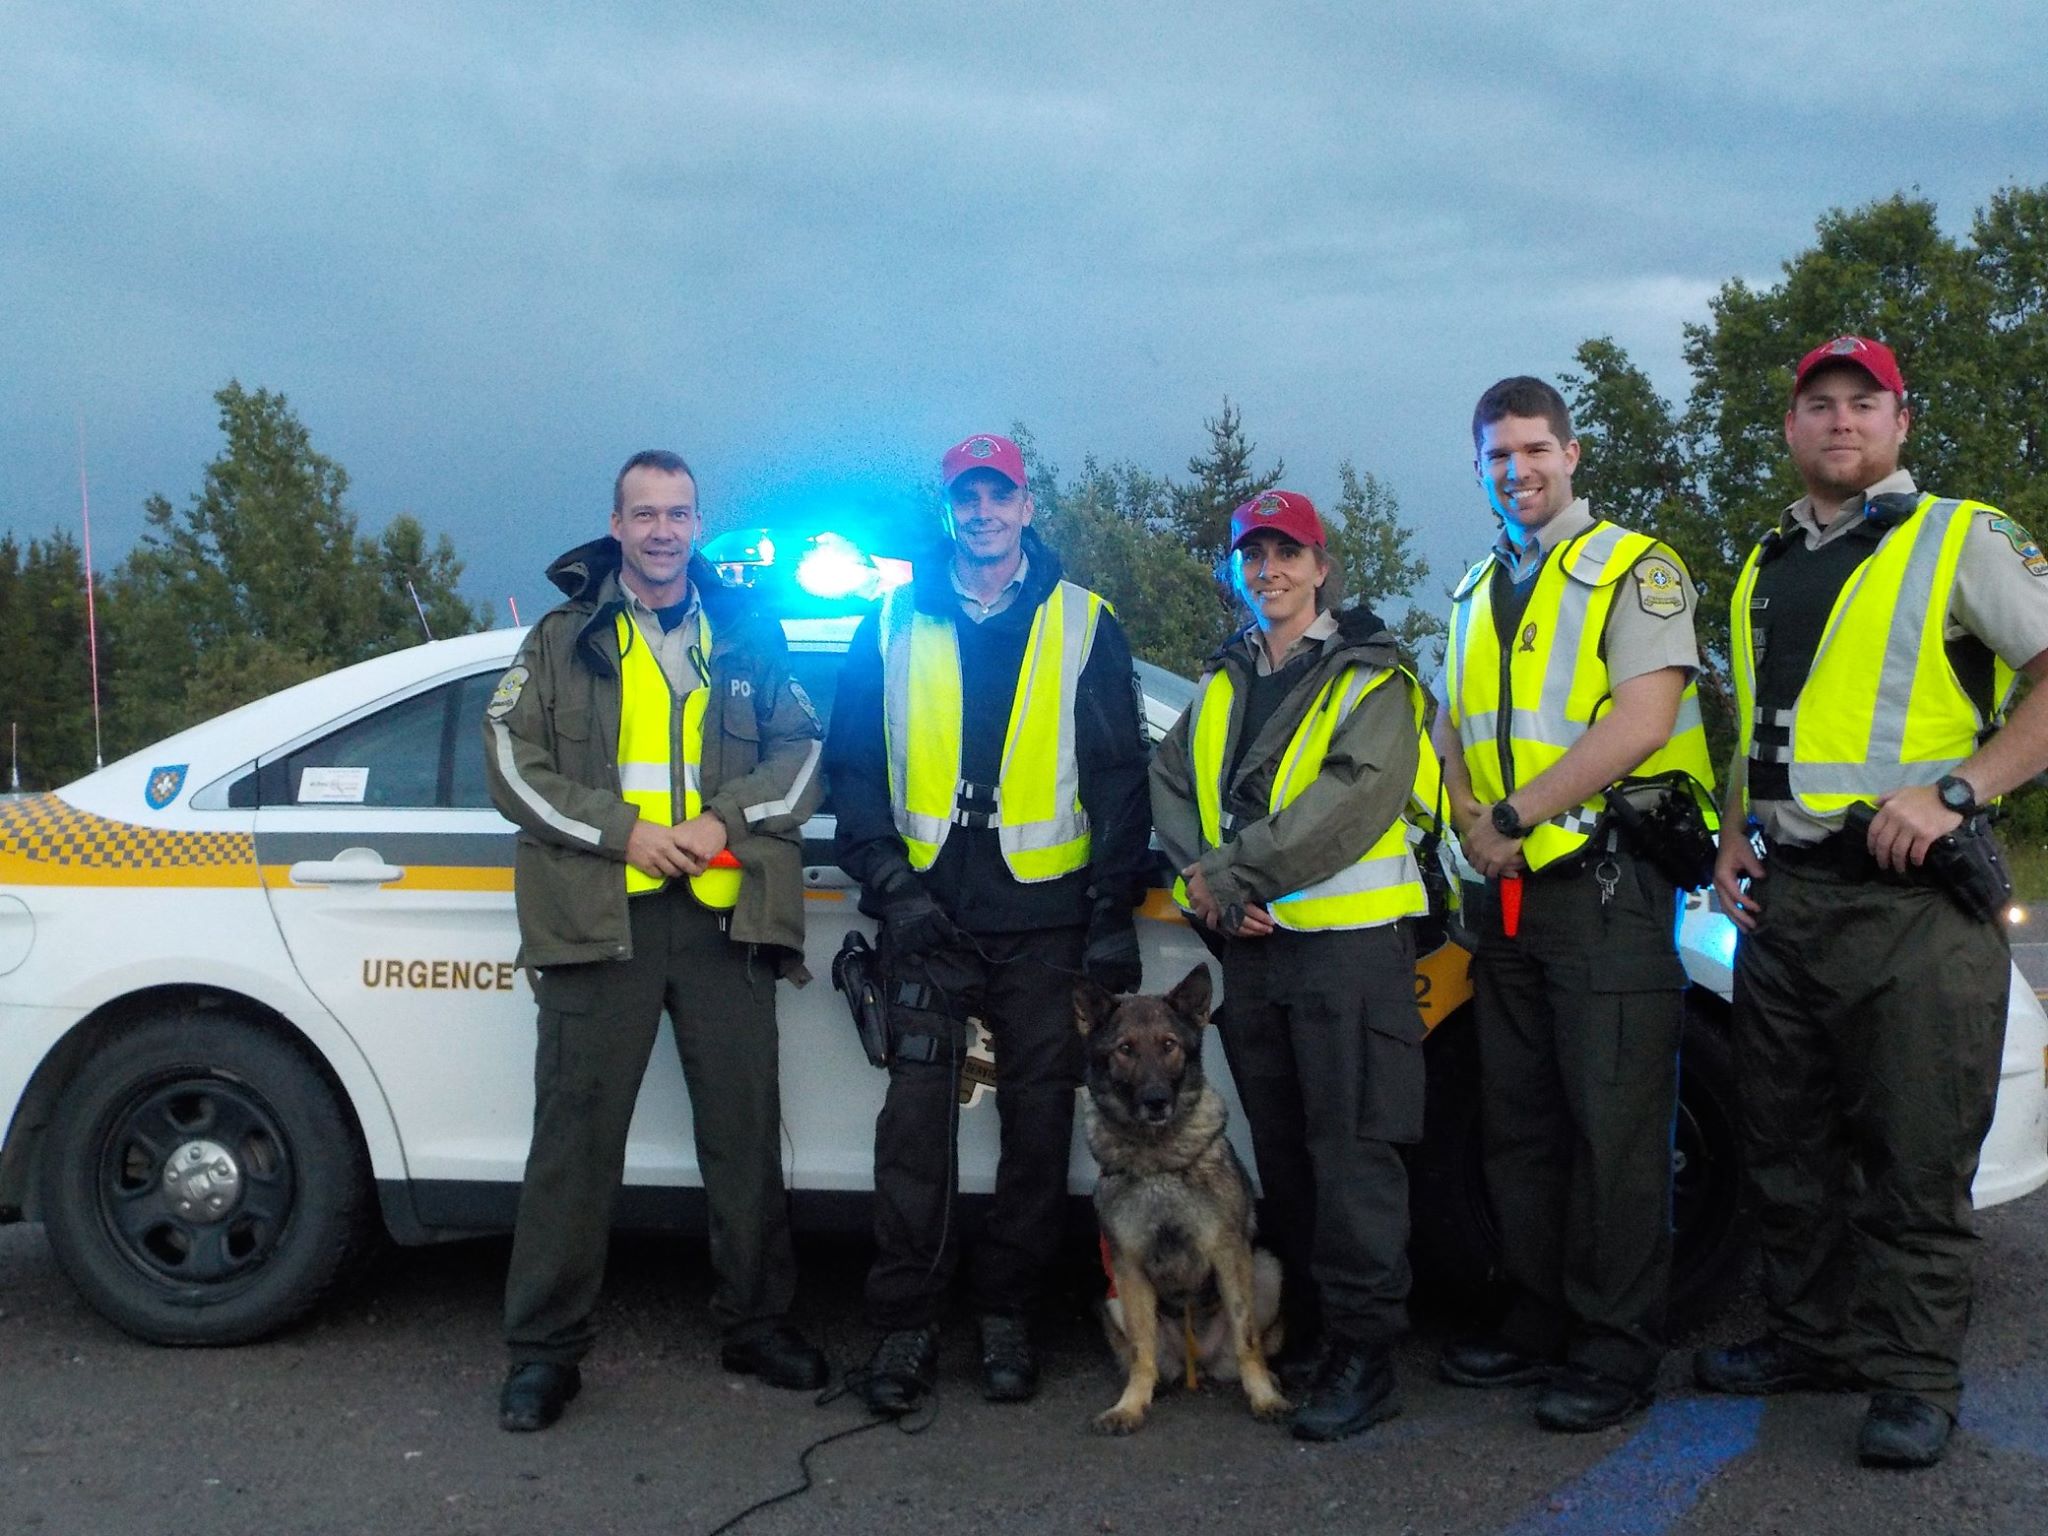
(912, 923)
(1111, 959)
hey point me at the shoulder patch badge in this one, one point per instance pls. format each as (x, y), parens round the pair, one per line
(163, 785)
(803, 702)
(506, 695)
(2022, 544)
(1659, 587)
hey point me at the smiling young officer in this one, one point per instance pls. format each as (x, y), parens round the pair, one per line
(649, 724)
(1876, 631)
(1280, 796)
(1569, 668)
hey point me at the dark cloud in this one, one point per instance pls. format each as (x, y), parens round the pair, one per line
(488, 249)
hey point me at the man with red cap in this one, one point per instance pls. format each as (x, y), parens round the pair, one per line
(1281, 797)
(1876, 633)
(988, 773)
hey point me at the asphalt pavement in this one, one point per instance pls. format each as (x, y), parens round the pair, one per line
(378, 1416)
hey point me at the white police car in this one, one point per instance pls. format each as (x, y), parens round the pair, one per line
(258, 1006)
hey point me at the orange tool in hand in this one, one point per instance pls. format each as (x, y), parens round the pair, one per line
(1511, 905)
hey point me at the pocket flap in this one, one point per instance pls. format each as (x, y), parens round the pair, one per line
(1636, 973)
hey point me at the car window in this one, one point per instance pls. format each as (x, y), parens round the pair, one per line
(423, 752)
(1169, 688)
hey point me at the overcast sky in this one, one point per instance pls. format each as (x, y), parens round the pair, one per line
(489, 249)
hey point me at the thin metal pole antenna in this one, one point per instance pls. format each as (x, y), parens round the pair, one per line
(416, 608)
(92, 629)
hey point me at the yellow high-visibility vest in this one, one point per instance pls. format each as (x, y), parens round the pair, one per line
(1881, 707)
(651, 740)
(1035, 807)
(1385, 883)
(1556, 683)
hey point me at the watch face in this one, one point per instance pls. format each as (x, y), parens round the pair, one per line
(1956, 795)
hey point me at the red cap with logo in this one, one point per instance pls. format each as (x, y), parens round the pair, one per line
(1873, 357)
(983, 451)
(1287, 513)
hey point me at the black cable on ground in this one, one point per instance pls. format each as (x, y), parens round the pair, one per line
(910, 1424)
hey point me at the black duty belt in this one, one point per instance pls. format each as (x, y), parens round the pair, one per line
(1843, 855)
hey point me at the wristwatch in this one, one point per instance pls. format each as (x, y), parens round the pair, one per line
(1957, 795)
(1507, 821)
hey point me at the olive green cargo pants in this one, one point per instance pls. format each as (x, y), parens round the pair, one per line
(1869, 1023)
(597, 1029)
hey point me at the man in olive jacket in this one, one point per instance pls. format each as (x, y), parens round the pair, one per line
(628, 793)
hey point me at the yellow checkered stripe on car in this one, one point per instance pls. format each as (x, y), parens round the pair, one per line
(44, 841)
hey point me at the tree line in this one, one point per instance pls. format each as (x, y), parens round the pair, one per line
(265, 578)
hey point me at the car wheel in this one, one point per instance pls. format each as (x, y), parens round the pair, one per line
(1453, 1242)
(1712, 1233)
(200, 1182)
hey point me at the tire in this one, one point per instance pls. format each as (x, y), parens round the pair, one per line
(1453, 1242)
(1455, 1246)
(201, 1183)
(1712, 1231)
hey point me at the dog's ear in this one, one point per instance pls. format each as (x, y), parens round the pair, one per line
(1191, 998)
(1093, 1004)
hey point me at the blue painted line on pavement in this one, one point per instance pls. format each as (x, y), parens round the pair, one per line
(1650, 1483)
(2006, 1408)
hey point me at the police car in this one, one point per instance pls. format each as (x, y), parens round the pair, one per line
(258, 1010)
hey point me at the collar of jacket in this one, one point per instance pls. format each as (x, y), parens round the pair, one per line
(587, 576)
(1361, 637)
(933, 581)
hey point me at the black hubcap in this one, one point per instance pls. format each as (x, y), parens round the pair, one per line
(195, 1181)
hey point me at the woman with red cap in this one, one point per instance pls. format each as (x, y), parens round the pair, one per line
(1282, 796)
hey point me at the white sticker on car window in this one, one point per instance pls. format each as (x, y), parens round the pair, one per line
(333, 786)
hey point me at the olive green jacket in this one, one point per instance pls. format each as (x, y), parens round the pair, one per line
(1366, 779)
(551, 741)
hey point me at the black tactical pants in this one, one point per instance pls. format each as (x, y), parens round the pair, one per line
(1578, 1063)
(1325, 1045)
(1023, 991)
(597, 1028)
(1869, 1022)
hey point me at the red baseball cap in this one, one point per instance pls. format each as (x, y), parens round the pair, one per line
(983, 451)
(1288, 513)
(1873, 357)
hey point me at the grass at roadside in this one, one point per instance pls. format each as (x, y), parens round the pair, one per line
(2028, 863)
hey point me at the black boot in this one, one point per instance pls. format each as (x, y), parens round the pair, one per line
(535, 1395)
(1352, 1391)
(1009, 1369)
(780, 1356)
(1902, 1430)
(899, 1374)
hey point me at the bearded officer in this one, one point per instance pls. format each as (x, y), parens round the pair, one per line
(988, 775)
(1569, 669)
(1876, 632)
(650, 725)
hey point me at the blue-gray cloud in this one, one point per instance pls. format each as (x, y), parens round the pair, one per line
(489, 249)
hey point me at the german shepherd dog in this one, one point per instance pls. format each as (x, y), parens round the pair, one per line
(1173, 1201)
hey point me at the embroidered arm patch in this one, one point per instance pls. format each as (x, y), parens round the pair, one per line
(1659, 587)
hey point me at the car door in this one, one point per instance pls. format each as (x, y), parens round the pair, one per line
(390, 876)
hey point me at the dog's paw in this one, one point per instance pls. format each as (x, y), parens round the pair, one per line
(1120, 1420)
(1271, 1409)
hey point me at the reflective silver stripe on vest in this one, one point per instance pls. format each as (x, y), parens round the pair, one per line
(1069, 821)
(1360, 879)
(1550, 726)
(1902, 642)
(645, 778)
(899, 615)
